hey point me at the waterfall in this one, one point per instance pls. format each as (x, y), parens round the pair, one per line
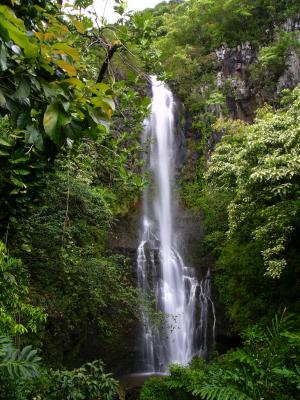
(184, 299)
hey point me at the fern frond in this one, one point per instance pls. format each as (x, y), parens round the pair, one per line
(286, 373)
(216, 392)
(279, 325)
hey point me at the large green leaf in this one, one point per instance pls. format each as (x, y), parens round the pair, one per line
(19, 159)
(99, 117)
(67, 67)
(34, 136)
(66, 49)
(21, 171)
(50, 121)
(23, 90)
(17, 36)
(23, 120)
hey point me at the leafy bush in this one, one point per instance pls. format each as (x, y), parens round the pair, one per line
(21, 378)
(263, 163)
(17, 314)
(87, 382)
(87, 293)
(155, 389)
(272, 62)
(18, 363)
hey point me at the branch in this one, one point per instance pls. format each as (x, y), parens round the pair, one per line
(109, 55)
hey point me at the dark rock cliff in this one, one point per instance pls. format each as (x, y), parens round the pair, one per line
(234, 79)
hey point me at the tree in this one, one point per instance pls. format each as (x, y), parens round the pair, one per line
(261, 165)
(43, 91)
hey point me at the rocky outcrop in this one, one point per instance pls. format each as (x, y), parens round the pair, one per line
(236, 60)
(292, 24)
(235, 81)
(291, 76)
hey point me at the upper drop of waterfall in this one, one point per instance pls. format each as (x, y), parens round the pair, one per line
(161, 270)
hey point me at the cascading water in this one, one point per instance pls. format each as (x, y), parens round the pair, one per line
(184, 299)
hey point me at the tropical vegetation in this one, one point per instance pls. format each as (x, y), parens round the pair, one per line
(73, 97)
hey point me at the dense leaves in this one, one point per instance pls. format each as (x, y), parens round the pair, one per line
(18, 315)
(251, 201)
(18, 363)
(42, 91)
(87, 382)
(261, 166)
(64, 245)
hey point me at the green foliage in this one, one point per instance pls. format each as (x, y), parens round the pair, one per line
(24, 379)
(19, 364)
(21, 167)
(261, 166)
(154, 389)
(63, 238)
(187, 35)
(17, 369)
(74, 278)
(87, 382)
(42, 91)
(142, 29)
(18, 315)
(251, 205)
(64, 178)
(190, 31)
(272, 60)
(210, 22)
(252, 370)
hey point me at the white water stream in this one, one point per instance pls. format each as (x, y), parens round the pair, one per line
(184, 299)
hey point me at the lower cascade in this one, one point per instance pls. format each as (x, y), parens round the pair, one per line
(185, 300)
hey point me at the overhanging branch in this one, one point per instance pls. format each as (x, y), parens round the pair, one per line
(111, 49)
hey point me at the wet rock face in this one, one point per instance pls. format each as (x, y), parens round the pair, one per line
(124, 236)
(291, 76)
(236, 60)
(180, 139)
(234, 79)
(292, 24)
